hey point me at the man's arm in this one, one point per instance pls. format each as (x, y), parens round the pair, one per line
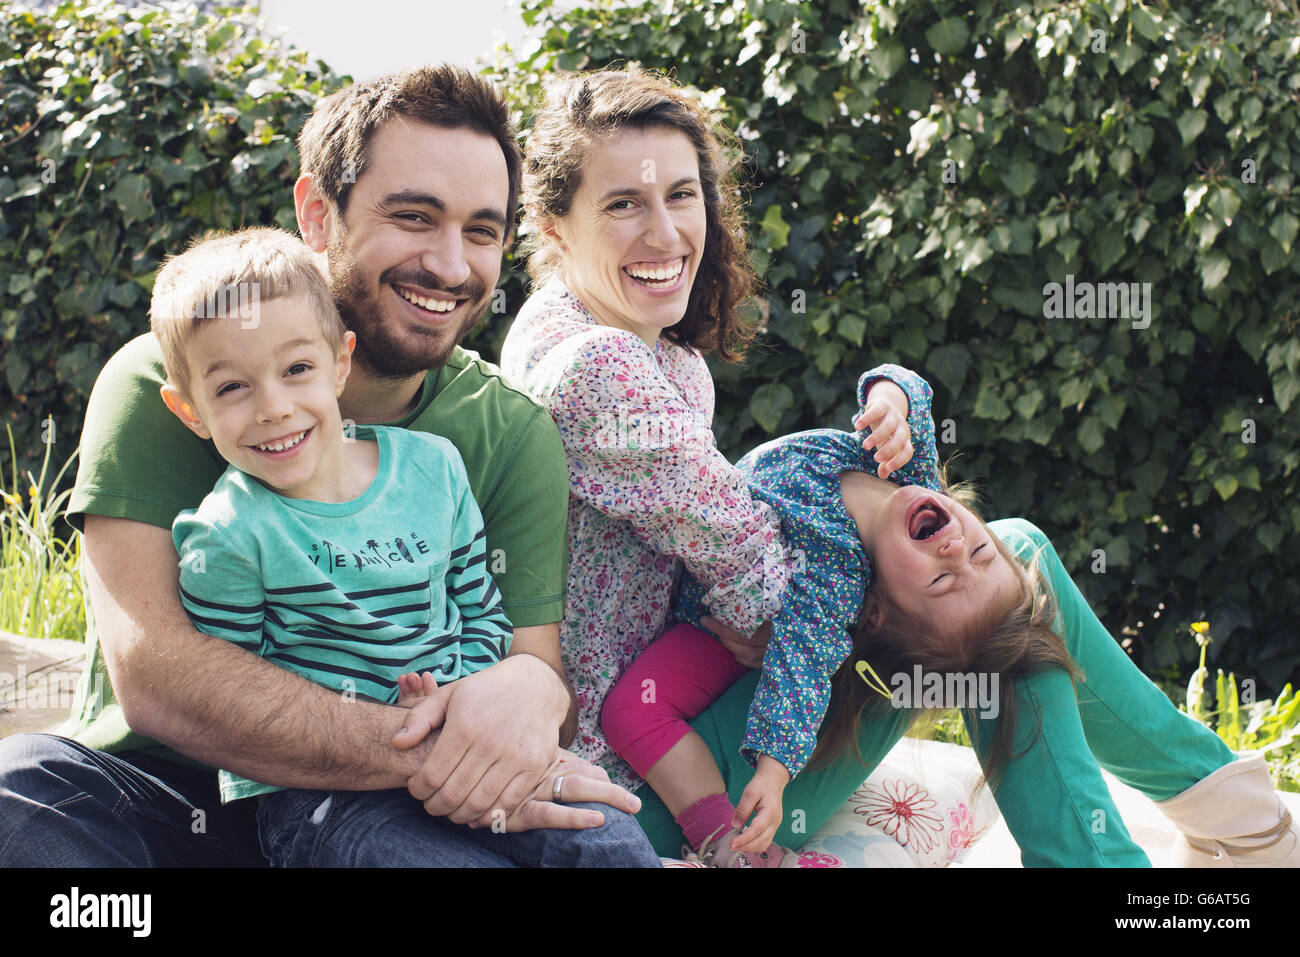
(543, 641)
(217, 703)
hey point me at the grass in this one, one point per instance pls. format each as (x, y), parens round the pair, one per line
(40, 588)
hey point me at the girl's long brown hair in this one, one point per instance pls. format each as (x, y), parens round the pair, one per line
(1012, 642)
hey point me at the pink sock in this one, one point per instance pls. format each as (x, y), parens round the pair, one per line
(706, 816)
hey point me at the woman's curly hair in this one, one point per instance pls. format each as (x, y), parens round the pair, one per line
(584, 109)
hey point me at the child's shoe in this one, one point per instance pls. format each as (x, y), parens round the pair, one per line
(717, 852)
(1233, 818)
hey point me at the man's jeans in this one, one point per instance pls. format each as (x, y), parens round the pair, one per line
(392, 829)
(63, 804)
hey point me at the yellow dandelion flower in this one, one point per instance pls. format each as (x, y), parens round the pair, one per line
(33, 492)
(1200, 627)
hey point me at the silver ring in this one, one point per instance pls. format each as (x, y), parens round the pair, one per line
(555, 791)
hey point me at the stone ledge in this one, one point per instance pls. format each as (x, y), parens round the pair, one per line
(38, 678)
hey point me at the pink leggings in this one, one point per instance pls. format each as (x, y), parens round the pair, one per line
(683, 672)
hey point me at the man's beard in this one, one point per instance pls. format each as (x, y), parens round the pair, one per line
(382, 350)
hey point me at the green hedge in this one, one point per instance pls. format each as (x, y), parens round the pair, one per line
(126, 132)
(1100, 140)
(919, 173)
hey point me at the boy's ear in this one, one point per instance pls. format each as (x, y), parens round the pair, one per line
(344, 362)
(315, 213)
(183, 409)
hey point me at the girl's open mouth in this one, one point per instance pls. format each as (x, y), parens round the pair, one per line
(926, 519)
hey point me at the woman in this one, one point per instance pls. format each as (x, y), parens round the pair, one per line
(636, 231)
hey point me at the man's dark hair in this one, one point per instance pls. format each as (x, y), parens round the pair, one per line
(332, 144)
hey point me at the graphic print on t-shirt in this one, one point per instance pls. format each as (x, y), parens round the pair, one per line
(330, 556)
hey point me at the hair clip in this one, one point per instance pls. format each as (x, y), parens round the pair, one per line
(875, 685)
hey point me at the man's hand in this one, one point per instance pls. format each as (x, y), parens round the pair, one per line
(499, 733)
(583, 781)
(748, 651)
(891, 437)
(762, 799)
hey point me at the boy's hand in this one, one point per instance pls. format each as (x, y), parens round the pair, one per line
(886, 415)
(762, 798)
(413, 688)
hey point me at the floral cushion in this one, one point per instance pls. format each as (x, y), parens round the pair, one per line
(918, 808)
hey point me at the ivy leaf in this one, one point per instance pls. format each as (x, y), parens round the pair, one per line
(1075, 391)
(1150, 476)
(1226, 486)
(1191, 124)
(978, 253)
(769, 403)
(887, 58)
(948, 36)
(132, 196)
(1141, 138)
(1144, 23)
(1027, 403)
(775, 227)
(1286, 386)
(1283, 229)
(1020, 178)
(989, 405)
(853, 328)
(1091, 435)
(948, 365)
(1215, 266)
(1225, 202)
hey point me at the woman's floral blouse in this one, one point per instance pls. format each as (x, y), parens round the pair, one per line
(649, 492)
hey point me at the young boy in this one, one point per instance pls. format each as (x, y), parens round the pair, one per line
(351, 555)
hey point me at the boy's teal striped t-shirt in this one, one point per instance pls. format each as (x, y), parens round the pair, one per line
(348, 594)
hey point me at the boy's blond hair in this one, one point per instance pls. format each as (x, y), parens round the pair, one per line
(227, 276)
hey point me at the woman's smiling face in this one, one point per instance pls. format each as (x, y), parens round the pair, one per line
(632, 239)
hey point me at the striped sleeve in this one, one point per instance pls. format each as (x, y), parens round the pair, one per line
(485, 630)
(221, 588)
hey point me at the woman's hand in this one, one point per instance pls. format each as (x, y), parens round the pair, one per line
(748, 651)
(891, 438)
(762, 799)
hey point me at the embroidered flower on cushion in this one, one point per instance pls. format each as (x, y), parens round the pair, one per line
(963, 834)
(818, 859)
(902, 810)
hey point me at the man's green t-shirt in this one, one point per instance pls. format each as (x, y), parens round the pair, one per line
(138, 461)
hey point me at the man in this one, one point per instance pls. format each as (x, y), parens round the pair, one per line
(408, 190)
